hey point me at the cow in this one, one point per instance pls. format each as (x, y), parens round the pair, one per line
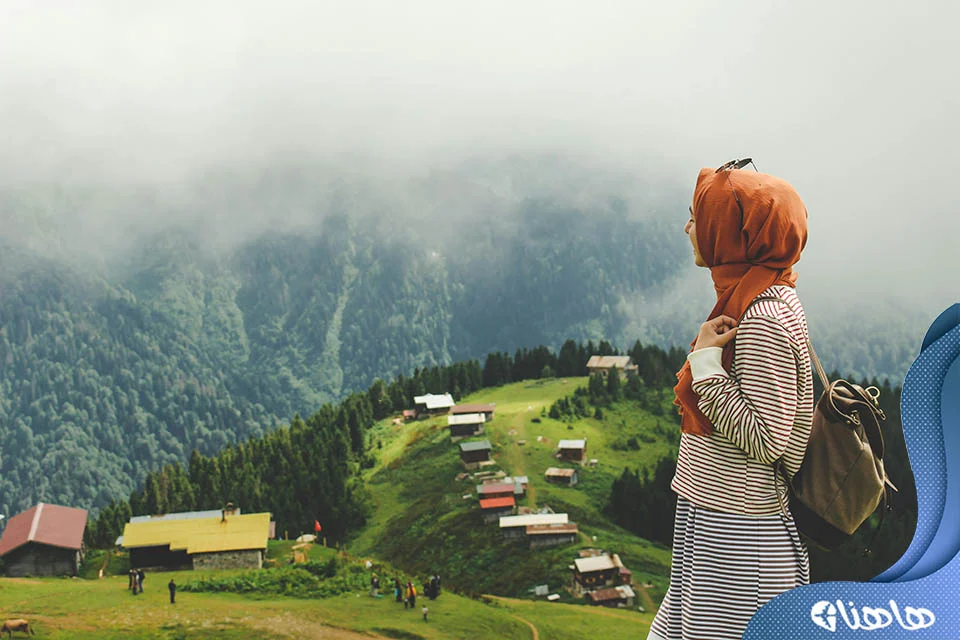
(17, 624)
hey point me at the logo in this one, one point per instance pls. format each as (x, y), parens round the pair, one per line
(827, 615)
(824, 614)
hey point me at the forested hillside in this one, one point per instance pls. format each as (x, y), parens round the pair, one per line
(124, 350)
(108, 373)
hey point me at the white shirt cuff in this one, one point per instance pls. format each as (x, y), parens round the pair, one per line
(706, 362)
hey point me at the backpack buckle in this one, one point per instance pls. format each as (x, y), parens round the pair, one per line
(874, 394)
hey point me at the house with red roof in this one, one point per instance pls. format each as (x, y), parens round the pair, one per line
(494, 508)
(45, 540)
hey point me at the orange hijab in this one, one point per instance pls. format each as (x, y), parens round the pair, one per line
(743, 262)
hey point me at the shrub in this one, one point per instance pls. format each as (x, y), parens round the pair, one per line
(310, 580)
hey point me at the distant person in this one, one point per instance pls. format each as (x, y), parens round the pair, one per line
(411, 595)
(172, 586)
(136, 583)
(735, 547)
(425, 612)
(130, 582)
(374, 586)
(434, 587)
(140, 579)
(398, 590)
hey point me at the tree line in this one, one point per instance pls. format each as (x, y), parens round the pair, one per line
(309, 470)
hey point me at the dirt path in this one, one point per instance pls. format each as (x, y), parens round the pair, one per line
(645, 598)
(533, 629)
(514, 455)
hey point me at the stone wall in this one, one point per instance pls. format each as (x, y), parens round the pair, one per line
(248, 559)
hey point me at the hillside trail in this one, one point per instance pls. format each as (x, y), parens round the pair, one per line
(105, 564)
(533, 629)
(645, 598)
(514, 455)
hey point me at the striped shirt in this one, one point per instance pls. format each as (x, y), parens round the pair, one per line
(761, 411)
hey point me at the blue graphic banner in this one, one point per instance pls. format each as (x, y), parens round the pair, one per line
(916, 598)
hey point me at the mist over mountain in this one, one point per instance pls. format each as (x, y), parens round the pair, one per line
(139, 324)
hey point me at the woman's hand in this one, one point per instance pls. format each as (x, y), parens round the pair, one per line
(716, 332)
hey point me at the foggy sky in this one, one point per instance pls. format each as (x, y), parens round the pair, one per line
(852, 103)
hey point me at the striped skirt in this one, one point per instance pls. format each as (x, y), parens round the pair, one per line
(725, 566)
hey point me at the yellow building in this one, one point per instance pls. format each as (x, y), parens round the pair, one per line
(203, 540)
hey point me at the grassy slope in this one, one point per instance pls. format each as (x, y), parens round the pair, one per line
(65, 609)
(423, 524)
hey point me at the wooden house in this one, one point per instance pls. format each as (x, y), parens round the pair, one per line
(566, 477)
(497, 490)
(221, 539)
(433, 404)
(409, 414)
(495, 508)
(594, 573)
(45, 540)
(603, 364)
(552, 535)
(486, 409)
(598, 572)
(572, 450)
(465, 425)
(621, 596)
(516, 526)
(475, 453)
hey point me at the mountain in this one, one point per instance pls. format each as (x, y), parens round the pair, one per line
(136, 325)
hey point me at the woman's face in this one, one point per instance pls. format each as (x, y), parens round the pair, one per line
(691, 230)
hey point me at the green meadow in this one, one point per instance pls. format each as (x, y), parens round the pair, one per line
(424, 521)
(62, 608)
(427, 521)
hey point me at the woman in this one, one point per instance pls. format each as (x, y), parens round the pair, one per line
(746, 400)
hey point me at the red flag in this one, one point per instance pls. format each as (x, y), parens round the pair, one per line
(316, 526)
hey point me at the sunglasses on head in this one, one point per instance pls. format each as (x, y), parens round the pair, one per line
(730, 166)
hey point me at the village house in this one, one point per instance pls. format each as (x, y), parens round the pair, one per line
(221, 539)
(409, 414)
(497, 490)
(495, 508)
(621, 596)
(432, 404)
(485, 409)
(552, 535)
(603, 364)
(465, 425)
(572, 450)
(475, 453)
(182, 515)
(516, 526)
(45, 540)
(599, 572)
(566, 477)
